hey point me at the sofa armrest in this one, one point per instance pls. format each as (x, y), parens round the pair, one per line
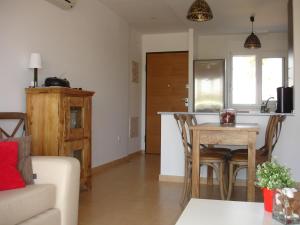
(64, 173)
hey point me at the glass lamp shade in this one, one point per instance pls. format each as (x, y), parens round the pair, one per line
(199, 11)
(252, 41)
(35, 61)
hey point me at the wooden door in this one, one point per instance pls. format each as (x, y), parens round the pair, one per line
(167, 77)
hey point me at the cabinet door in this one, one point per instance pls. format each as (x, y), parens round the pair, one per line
(86, 163)
(80, 150)
(44, 123)
(74, 118)
(87, 116)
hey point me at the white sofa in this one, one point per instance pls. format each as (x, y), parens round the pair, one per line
(52, 200)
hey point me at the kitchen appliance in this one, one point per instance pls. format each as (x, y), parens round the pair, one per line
(55, 81)
(209, 79)
(285, 100)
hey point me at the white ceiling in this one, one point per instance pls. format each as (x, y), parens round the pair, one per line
(230, 16)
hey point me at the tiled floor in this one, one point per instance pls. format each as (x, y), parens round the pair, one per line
(130, 194)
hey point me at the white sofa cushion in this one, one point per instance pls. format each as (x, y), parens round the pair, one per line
(21, 204)
(50, 217)
(64, 173)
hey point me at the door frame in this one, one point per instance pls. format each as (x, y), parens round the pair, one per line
(146, 85)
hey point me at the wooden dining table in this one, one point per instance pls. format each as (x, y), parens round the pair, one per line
(220, 134)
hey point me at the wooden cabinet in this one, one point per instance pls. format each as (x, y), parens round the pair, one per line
(59, 120)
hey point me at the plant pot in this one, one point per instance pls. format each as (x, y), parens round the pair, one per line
(268, 199)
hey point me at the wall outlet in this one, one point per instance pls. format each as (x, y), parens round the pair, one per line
(119, 139)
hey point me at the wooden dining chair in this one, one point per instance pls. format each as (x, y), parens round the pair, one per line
(20, 119)
(211, 159)
(239, 158)
(192, 121)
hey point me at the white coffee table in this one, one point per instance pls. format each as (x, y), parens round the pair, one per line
(216, 212)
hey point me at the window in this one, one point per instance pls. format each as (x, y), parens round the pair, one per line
(244, 80)
(254, 79)
(272, 74)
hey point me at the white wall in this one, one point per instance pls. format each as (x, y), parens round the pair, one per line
(221, 46)
(135, 91)
(159, 43)
(287, 148)
(192, 42)
(89, 45)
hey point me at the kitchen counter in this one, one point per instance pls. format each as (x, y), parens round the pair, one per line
(241, 113)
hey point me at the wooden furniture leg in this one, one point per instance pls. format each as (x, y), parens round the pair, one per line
(251, 166)
(210, 171)
(221, 179)
(195, 165)
(210, 176)
(230, 181)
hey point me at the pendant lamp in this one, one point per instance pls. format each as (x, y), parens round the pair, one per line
(252, 40)
(199, 11)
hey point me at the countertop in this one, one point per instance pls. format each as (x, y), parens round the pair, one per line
(246, 113)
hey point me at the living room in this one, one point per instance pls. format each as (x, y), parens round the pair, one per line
(90, 45)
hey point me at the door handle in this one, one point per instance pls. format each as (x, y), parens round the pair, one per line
(186, 101)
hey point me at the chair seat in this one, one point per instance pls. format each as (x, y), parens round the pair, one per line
(240, 157)
(244, 151)
(210, 155)
(214, 156)
(223, 151)
(243, 157)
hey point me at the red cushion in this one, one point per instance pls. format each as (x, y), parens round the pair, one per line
(10, 177)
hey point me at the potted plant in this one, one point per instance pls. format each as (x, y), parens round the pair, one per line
(271, 176)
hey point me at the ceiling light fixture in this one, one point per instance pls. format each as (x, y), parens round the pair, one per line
(199, 11)
(252, 40)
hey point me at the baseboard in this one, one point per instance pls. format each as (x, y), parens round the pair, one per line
(172, 179)
(99, 169)
(179, 179)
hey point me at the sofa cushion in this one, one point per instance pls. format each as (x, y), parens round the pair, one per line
(24, 158)
(50, 217)
(21, 204)
(10, 177)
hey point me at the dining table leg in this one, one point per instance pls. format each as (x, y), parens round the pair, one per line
(196, 165)
(251, 166)
(210, 171)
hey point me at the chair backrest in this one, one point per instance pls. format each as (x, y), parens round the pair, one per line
(190, 120)
(181, 121)
(273, 131)
(19, 117)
